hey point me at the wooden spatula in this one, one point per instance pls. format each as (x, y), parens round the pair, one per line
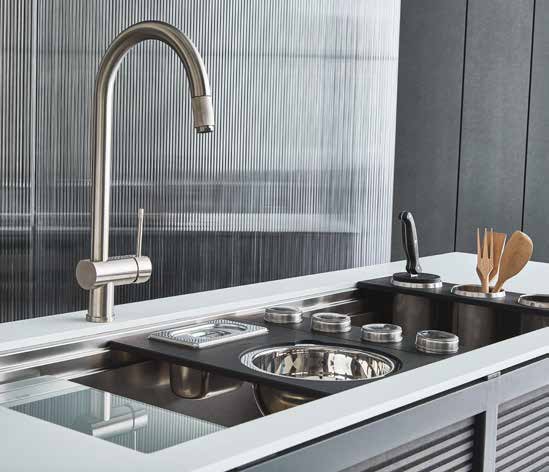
(497, 249)
(516, 255)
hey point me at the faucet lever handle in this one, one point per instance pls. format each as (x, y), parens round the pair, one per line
(140, 216)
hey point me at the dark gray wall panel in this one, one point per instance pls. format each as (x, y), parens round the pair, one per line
(536, 205)
(495, 110)
(428, 120)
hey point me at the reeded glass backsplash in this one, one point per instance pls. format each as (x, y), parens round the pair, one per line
(296, 179)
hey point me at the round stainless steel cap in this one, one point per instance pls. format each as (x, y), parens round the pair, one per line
(433, 341)
(535, 301)
(283, 315)
(405, 280)
(330, 322)
(382, 333)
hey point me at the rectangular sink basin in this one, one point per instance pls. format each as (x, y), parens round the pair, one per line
(120, 420)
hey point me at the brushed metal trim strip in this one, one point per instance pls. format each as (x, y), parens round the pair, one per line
(96, 345)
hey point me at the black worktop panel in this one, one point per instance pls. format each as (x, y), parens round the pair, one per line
(225, 359)
(444, 293)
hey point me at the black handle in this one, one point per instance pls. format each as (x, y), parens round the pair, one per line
(409, 241)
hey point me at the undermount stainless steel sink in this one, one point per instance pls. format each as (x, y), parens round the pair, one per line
(311, 362)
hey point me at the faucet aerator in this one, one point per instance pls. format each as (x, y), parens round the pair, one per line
(204, 129)
(203, 114)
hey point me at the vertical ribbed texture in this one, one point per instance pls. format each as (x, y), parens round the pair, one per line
(164, 428)
(296, 178)
(16, 159)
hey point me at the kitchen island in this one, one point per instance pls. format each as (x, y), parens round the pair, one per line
(336, 432)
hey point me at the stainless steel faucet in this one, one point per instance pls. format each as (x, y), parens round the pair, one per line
(100, 274)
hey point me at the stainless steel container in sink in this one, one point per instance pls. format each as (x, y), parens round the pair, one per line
(311, 362)
(413, 313)
(532, 321)
(475, 325)
(197, 384)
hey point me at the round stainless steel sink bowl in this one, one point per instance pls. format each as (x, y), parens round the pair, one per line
(311, 362)
(319, 362)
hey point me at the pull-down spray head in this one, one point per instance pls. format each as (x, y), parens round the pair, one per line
(203, 114)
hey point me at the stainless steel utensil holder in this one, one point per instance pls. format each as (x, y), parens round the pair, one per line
(479, 319)
(475, 325)
(532, 321)
(413, 313)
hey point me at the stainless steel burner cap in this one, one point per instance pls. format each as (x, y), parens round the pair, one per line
(433, 341)
(330, 322)
(382, 333)
(283, 315)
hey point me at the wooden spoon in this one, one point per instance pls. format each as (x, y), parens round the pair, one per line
(516, 255)
(497, 250)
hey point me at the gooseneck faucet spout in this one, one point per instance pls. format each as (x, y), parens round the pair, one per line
(100, 274)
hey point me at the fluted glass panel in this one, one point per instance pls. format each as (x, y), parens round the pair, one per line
(16, 160)
(296, 179)
(129, 423)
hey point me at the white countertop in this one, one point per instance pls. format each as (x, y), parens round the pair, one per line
(29, 444)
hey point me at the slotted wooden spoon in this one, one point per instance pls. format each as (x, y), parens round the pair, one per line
(516, 255)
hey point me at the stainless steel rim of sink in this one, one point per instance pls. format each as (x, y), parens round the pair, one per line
(319, 362)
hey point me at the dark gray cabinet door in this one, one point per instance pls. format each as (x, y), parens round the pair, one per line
(432, 35)
(436, 435)
(498, 423)
(495, 111)
(536, 205)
